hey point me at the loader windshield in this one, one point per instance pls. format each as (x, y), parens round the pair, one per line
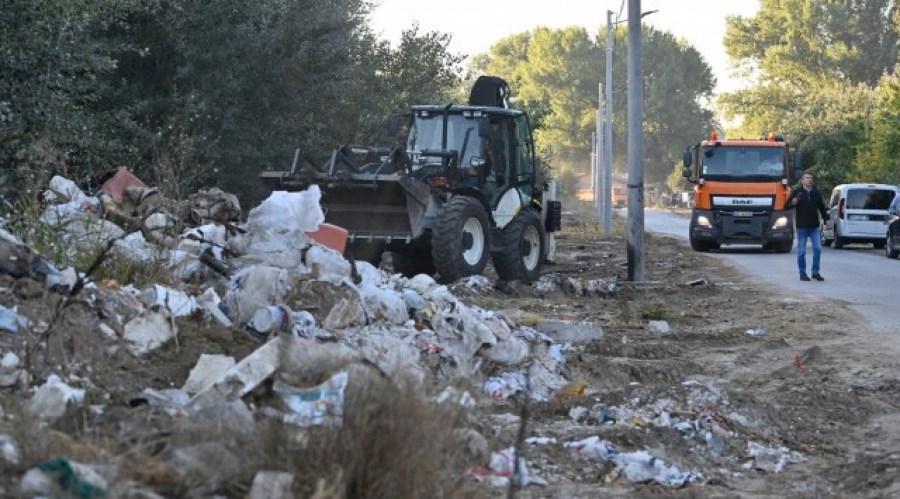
(426, 133)
(742, 163)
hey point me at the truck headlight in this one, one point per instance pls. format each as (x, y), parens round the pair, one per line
(780, 223)
(702, 221)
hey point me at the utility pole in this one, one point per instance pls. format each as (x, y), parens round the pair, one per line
(635, 146)
(608, 149)
(598, 186)
(594, 166)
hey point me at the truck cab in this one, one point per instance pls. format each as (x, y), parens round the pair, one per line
(740, 189)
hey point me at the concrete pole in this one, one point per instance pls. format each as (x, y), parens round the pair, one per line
(608, 149)
(635, 146)
(598, 143)
(594, 165)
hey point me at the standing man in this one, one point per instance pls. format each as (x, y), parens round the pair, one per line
(807, 201)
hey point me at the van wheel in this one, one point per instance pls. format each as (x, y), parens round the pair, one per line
(839, 241)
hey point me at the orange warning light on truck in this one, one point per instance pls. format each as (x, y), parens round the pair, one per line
(740, 188)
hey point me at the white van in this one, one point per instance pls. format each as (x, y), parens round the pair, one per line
(858, 213)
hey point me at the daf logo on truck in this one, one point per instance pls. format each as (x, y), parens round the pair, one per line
(730, 175)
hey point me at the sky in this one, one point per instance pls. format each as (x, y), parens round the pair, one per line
(476, 24)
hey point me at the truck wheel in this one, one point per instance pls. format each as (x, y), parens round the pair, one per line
(460, 242)
(783, 247)
(702, 246)
(413, 263)
(523, 249)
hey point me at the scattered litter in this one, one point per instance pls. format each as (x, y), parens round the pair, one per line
(12, 321)
(272, 485)
(148, 332)
(320, 405)
(579, 414)
(9, 451)
(451, 394)
(177, 303)
(208, 369)
(52, 399)
(760, 331)
(570, 331)
(571, 390)
(548, 283)
(60, 477)
(698, 282)
(771, 459)
(540, 440)
(659, 327)
(636, 467)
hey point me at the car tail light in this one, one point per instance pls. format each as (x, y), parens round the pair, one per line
(439, 181)
(841, 209)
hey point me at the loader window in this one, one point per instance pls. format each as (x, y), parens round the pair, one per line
(524, 150)
(742, 163)
(427, 132)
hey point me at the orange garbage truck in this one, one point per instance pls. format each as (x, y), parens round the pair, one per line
(740, 188)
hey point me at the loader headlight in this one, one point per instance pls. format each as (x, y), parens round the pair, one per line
(703, 221)
(476, 162)
(780, 223)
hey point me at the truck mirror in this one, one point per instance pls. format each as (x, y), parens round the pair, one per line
(393, 126)
(484, 127)
(687, 159)
(686, 173)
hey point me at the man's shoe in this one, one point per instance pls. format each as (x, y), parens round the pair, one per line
(804, 277)
(818, 277)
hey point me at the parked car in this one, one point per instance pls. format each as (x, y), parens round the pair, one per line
(892, 239)
(858, 214)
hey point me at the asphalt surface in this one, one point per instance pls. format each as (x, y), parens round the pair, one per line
(858, 276)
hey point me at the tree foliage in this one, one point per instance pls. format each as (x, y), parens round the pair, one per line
(554, 74)
(822, 73)
(199, 92)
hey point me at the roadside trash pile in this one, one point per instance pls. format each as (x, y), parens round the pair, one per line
(314, 316)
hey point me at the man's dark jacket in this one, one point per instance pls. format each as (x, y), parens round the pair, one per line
(809, 205)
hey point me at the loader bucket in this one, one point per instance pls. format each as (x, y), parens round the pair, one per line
(386, 211)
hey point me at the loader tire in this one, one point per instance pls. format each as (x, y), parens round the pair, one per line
(461, 239)
(411, 264)
(523, 250)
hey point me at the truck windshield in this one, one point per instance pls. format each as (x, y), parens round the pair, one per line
(426, 132)
(742, 163)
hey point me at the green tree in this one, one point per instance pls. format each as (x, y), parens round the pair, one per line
(55, 66)
(555, 76)
(815, 64)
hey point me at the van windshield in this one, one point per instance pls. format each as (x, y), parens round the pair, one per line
(869, 199)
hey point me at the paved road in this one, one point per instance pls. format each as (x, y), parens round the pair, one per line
(858, 275)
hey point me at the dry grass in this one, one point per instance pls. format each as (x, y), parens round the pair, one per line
(394, 442)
